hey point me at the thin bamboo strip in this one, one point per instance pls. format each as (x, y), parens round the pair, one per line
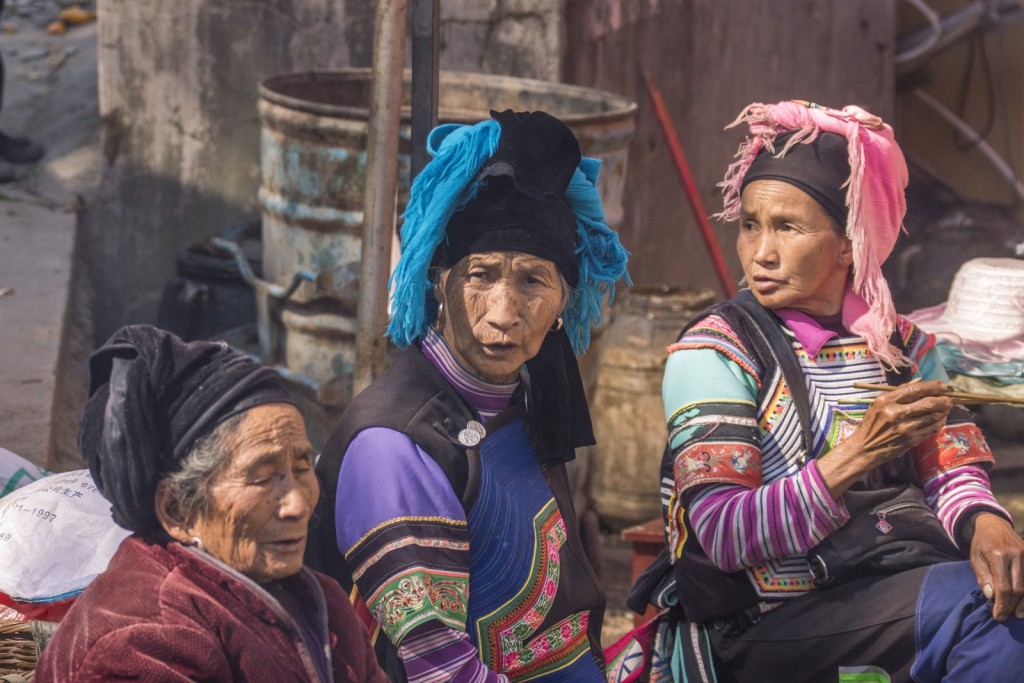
(964, 397)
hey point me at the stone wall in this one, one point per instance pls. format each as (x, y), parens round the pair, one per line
(514, 37)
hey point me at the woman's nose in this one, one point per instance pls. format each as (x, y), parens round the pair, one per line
(503, 307)
(765, 251)
(295, 501)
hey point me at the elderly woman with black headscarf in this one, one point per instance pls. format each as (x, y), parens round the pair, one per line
(816, 525)
(203, 455)
(451, 508)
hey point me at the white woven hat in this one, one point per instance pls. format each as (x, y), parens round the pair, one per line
(984, 313)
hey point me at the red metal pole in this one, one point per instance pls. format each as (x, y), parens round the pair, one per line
(679, 159)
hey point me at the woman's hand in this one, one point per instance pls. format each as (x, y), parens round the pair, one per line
(997, 557)
(896, 421)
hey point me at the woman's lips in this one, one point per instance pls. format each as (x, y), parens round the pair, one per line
(764, 284)
(288, 544)
(498, 349)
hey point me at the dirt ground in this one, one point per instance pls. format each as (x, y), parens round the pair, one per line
(51, 95)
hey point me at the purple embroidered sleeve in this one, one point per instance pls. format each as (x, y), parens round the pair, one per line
(740, 527)
(387, 482)
(374, 488)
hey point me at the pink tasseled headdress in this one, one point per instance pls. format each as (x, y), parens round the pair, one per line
(874, 198)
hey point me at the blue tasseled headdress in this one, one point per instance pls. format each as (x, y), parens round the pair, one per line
(447, 184)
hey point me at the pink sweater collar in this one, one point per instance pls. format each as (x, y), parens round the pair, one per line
(809, 331)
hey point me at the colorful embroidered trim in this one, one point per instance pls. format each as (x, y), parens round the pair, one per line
(404, 542)
(953, 446)
(444, 521)
(718, 463)
(770, 580)
(506, 636)
(420, 595)
(714, 333)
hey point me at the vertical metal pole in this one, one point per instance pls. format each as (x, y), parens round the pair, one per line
(426, 26)
(379, 198)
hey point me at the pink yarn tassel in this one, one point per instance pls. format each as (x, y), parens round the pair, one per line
(875, 200)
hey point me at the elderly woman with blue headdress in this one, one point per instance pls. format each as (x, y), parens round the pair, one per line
(448, 505)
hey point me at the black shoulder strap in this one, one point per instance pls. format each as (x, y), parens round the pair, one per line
(771, 341)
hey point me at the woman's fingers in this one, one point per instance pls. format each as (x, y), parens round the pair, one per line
(997, 555)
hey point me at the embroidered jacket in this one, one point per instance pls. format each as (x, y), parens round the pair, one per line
(467, 559)
(753, 498)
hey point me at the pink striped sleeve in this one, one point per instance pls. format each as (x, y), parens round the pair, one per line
(434, 653)
(954, 493)
(741, 527)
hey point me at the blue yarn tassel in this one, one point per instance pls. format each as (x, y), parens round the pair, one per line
(444, 185)
(601, 257)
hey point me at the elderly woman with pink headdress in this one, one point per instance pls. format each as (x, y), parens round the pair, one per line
(815, 526)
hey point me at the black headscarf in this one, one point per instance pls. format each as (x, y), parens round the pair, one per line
(521, 206)
(151, 397)
(820, 168)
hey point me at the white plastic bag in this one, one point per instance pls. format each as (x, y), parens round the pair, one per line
(56, 535)
(16, 471)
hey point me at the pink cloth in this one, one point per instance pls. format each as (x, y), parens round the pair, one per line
(875, 200)
(808, 331)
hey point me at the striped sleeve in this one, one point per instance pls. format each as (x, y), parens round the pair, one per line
(433, 653)
(710, 393)
(956, 494)
(739, 527)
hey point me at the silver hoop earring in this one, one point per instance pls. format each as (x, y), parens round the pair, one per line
(559, 324)
(439, 322)
(197, 542)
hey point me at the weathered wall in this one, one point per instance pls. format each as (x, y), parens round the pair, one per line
(178, 88)
(178, 97)
(513, 37)
(710, 58)
(178, 94)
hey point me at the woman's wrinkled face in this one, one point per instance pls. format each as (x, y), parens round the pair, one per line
(792, 251)
(497, 308)
(261, 501)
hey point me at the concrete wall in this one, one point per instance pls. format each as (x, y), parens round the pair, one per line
(178, 94)
(514, 37)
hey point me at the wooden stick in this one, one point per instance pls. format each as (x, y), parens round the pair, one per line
(963, 397)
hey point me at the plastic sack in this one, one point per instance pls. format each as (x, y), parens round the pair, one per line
(16, 471)
(56, 536)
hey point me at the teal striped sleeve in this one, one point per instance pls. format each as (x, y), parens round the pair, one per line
(694, 376)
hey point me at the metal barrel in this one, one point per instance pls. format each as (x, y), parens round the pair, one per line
(313, 163)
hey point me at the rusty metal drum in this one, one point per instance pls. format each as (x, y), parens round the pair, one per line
(626, 406)
(313, 158)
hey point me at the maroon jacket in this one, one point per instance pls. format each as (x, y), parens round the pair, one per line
(162, 612)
